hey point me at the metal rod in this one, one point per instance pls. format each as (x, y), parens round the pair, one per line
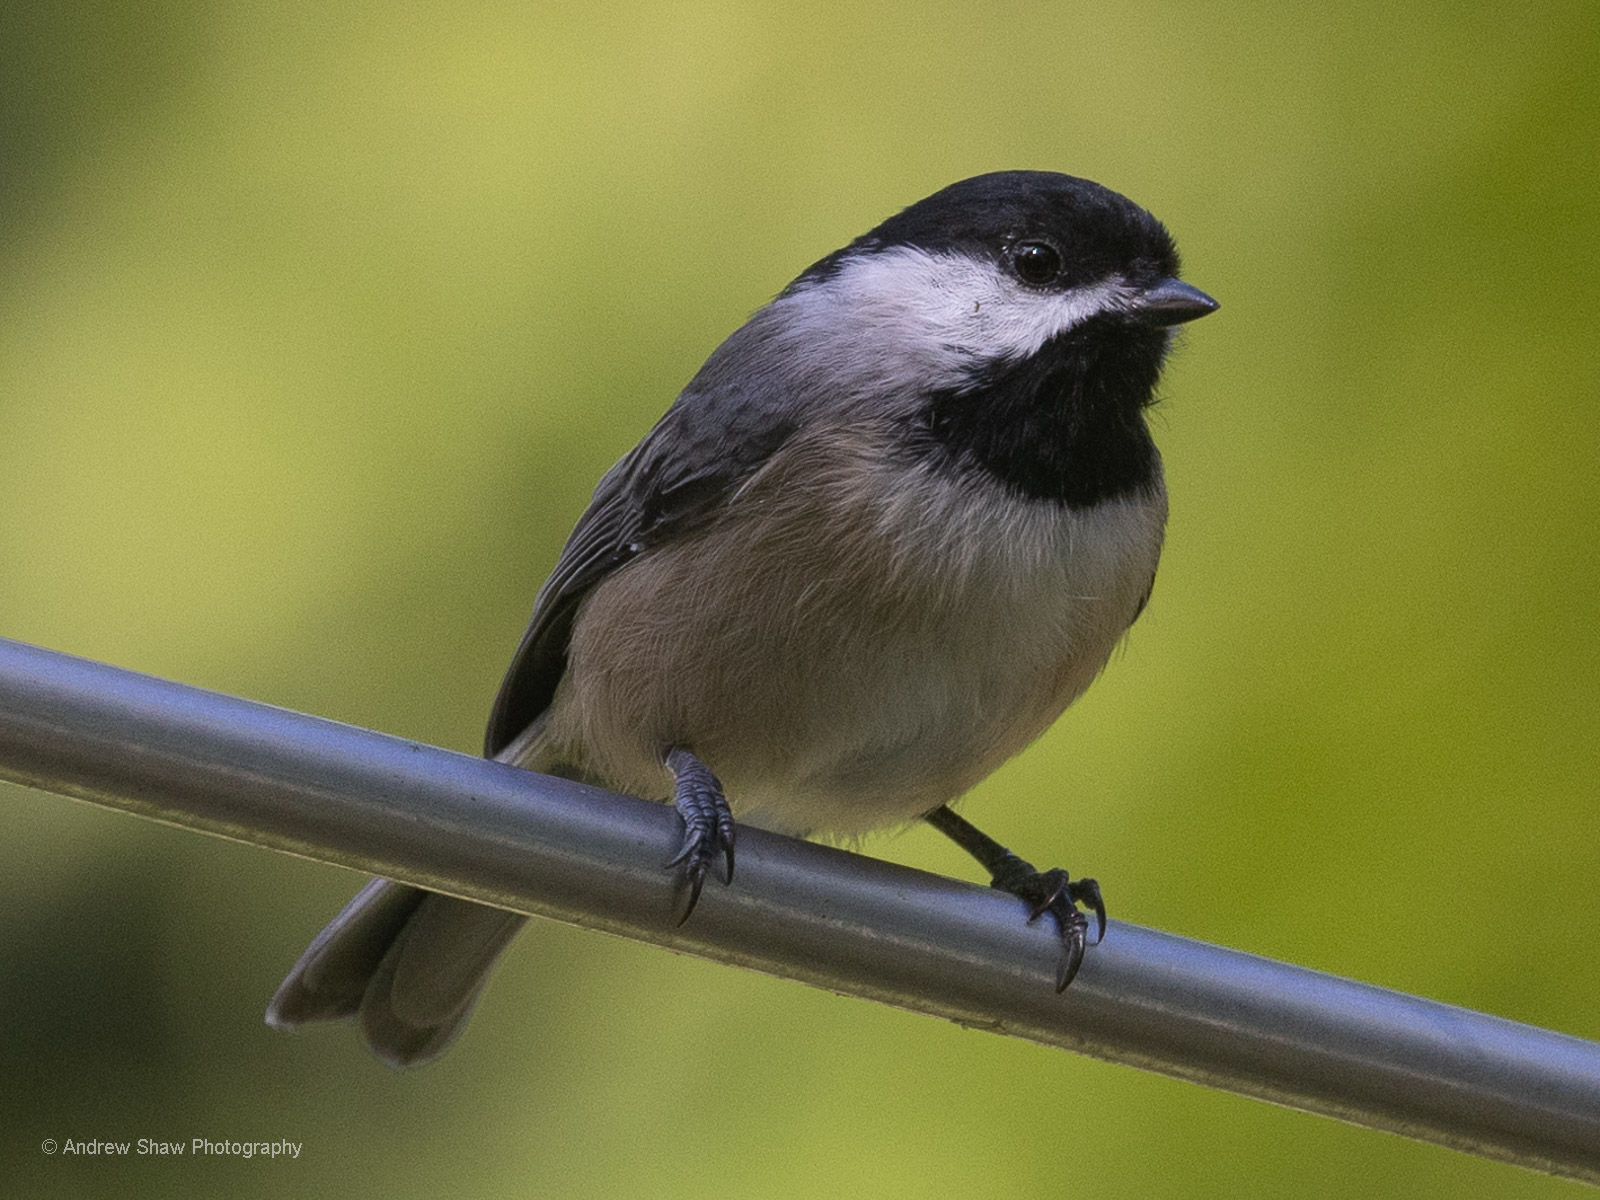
(842, 921)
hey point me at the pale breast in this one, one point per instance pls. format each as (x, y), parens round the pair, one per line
(854, 641)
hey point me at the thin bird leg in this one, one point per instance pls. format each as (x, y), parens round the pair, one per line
(707, 821)
(1050, 891)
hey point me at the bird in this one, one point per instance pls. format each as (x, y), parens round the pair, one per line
(891, 529)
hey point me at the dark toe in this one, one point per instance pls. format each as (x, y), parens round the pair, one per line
(708, 829)
(1087, 893)
(1056, 893)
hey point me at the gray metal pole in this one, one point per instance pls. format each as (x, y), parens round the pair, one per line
(841, 921)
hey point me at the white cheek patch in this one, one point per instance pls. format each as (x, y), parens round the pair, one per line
(957, 307)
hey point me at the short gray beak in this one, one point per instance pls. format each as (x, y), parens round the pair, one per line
(1172, 302)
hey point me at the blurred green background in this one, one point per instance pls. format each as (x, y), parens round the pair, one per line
(318, 322)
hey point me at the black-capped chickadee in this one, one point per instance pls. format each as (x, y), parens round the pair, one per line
(892, 528)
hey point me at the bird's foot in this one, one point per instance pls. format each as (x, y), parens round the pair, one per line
(1052, 892)
(707, 823)
(1056, 893)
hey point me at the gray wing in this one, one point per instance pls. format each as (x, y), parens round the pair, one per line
(697, 455)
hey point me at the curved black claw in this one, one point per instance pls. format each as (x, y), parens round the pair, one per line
(707, 823)
(1056, 893)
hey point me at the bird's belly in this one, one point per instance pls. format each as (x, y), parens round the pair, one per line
(915, 727)
(842, 680)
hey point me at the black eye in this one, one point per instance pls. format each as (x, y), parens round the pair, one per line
(1036, 262)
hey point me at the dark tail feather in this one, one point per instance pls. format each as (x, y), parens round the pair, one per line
(411, 963)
